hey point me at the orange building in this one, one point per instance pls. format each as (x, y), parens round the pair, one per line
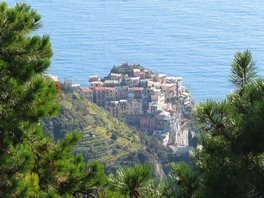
(87, 93)
(99, 93)
(138, 92)
(110, 93)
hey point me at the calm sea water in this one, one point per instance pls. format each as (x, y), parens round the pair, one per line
(195, 39)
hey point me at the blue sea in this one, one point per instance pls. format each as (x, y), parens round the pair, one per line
(195, 39)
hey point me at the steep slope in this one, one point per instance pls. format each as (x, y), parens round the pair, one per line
(107, 139)
(104, 138)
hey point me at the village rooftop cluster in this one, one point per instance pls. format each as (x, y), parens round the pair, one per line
(139, 97)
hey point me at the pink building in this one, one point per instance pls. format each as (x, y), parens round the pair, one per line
(142, 75)
(87, 93)
(95, 84)
(138, 92)
(134, 107)
(99, 95)
(136, 72)
(160, 78)
(93, 78)
(110, 93)
(122, 92)
(170, 90)
(114, 76)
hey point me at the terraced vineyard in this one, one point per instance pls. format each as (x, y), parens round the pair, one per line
(104, 138)
(99, 144)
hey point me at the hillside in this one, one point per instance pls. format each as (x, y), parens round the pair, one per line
(107, 139)
(104, 138)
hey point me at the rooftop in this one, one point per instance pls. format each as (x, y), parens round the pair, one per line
(136, 88)
(110, 88)
(96, 82)
(76, 85)
(115, 74)
(99, 88)
(87, 90)
(136, 70)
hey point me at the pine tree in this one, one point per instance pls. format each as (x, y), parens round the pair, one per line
(131, 181)
(243, 69)
(182, 181)
(32, 164)
(231, 158)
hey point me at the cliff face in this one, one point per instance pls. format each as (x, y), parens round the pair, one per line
(179, 131)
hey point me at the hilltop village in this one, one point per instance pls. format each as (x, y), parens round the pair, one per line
(154, 103)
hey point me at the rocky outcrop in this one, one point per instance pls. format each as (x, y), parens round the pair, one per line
(181, 133)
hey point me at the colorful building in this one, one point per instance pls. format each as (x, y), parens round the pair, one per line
(136, 72)
(122, 92)
(95, 84)
(87, 93)
(93, 78)
(99, 93)
(110, 93)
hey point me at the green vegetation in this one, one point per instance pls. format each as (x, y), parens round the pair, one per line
(103, 137)
(229, 162)
(182, 181)
(31, 164)
(231, 158)
(131, 181)
(126, 68)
